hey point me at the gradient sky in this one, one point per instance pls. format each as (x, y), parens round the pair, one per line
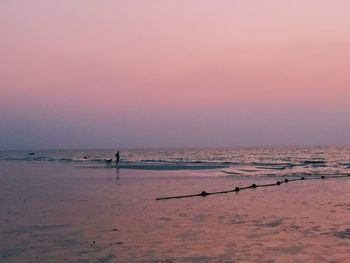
(85, 74)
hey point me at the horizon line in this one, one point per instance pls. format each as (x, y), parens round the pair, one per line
(177, 147)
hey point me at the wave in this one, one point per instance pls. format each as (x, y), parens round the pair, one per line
(273, 167)
(253, 167)
(273, 164)
(249, 170)
(313, 162)
(229, 172)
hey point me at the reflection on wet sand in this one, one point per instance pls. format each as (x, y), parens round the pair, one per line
(64, 213)
(117, 173)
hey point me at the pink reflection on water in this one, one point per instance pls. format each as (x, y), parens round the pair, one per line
(80, 213)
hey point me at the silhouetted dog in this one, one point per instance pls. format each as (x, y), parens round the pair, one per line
(108, 161)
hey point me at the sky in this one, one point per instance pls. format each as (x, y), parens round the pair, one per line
(185, 73)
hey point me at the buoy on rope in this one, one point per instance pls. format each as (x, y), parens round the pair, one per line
(237, 189)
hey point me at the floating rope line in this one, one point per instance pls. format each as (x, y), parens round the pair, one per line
(252, 186)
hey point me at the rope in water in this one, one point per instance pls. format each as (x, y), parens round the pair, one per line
(252, 186)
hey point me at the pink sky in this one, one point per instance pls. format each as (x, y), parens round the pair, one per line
(87, 73)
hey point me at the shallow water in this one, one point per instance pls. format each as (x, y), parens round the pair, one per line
(54, 212)
(239, 161)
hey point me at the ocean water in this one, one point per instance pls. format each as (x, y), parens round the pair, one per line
(54, 212)
(56, 206)
(239, 161)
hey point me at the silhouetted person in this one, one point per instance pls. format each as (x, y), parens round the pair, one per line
(117, 157)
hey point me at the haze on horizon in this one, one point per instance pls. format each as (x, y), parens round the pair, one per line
(86, 74)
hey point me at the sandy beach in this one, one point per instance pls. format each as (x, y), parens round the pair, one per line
(56, 212)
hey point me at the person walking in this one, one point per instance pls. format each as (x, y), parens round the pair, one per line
(117, 157)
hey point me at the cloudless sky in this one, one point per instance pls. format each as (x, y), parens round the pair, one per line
(137, 73)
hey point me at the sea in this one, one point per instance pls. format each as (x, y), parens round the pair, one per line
(234, 161)
(71, 206)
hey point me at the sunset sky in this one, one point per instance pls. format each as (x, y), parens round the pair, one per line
(84, 74)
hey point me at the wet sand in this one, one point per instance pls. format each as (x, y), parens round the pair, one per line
(54, 212)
